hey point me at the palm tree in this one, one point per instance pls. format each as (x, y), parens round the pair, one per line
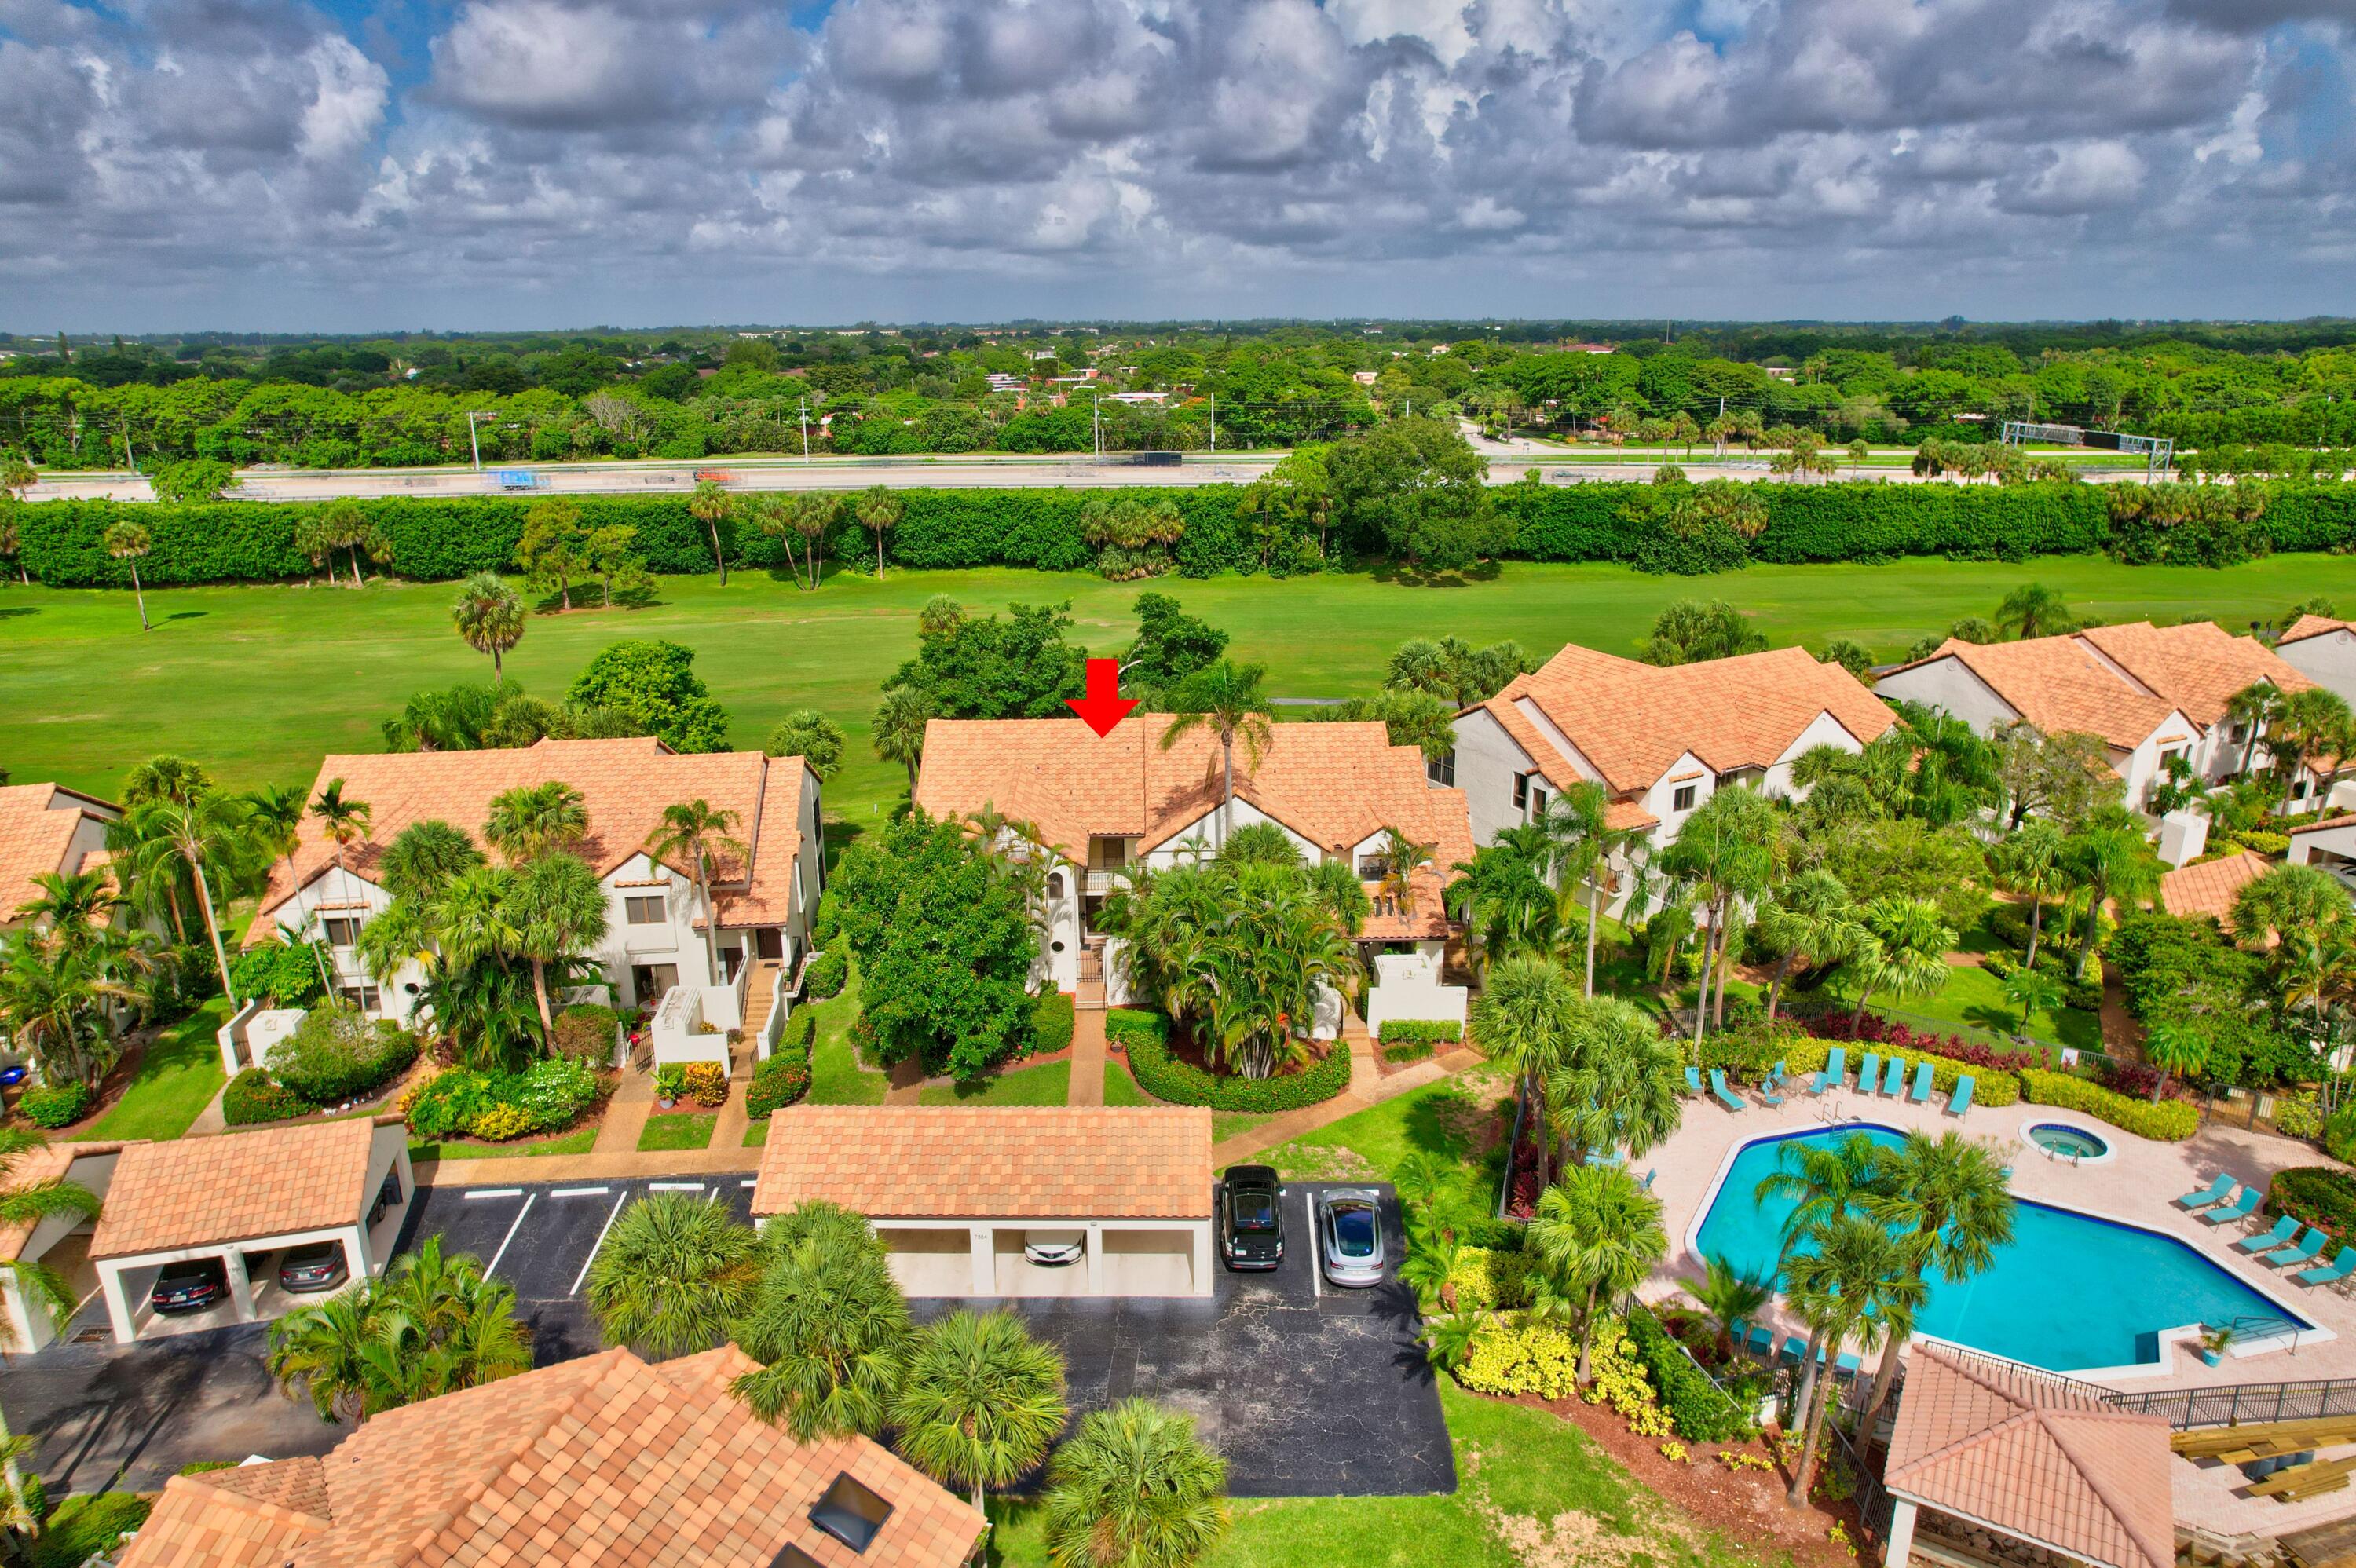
(981, 1401)
(1227, 700)
(51, 1007)
(322, 1348)
(276, 814)
(129, 540)
(676, 1270)
(213, 830)
(434, 1324)
(2108, 859)
(1822, 1182)
(1726, 851)
(2250, 710)
(897, 729)
(1502, 897)
(2031, 860)
(1584, 842)
(560, 912)
(40, 1287)
(710, 505)
(70, 908)
(1596, 1234)
(1906, 950)
(530, 820)
(1402, 858)
(1523, 1020)
(1855, 1281)
(1621, 1083)
(697, 833)
(489, 617)
(1811, 916)
(2033, 610)
(828, 1322)
(1730, 1297)
(343, 820)
(1950, 1192)
(1134, 1488)
(878, 511)
(164, 777)
(2032, 991)
(2308, 726)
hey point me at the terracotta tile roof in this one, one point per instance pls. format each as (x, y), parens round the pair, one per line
(50, 1162)
(625, 786)
(776, 839)
(2029, 1454)
(235, 1187)
(1334, 785)
(2058, 685)
(603, 1461)
(2194, 668)
(1633, 720)
(299, 1486)
(991, 1161)
(2208, 887)
(2321, 823)
(2307, 626)
(37, 828)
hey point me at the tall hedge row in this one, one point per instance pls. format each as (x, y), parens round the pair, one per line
(435, 539)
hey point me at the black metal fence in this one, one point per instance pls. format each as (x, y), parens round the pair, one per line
(2237, 1404)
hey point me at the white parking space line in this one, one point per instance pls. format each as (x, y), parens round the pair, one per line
(581, 1193)
(493, 1266)
(674, 1186)
(748, 1181)
(475, 1192)
(591, 1258)
(1316, 1274)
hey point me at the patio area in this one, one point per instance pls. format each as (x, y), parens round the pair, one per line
(2134, 1186)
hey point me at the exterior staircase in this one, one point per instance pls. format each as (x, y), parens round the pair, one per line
(760, 996)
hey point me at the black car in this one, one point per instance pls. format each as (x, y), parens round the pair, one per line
(1251, 1218)
(317, 1266)
(189, 1287)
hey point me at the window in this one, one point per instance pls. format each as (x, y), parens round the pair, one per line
(1442, 770)
(2238, 733)
(1539, 798)
(646, 909)
(1054, 884)
(364, 997)
(851, 1514)
(1107, 854)
(386, 1196)
(1373, 868)
(1521, 791)
(343, 930)
(1684, 799)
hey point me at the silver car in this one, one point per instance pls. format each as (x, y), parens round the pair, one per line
(1350, 1236)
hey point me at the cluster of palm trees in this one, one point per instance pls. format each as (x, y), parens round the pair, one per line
(971, 1399)
(2301, 921)
(432, 1324)
(804, 518)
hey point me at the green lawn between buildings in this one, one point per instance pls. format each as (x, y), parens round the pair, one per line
(174, 1082)
(1050, 1083)
(288, 673)
(678, 1130)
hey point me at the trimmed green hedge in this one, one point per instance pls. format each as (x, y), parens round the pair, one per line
(1700, 1413)
(1146, 1038)
(2315, 1195)
(53, 1104)
(2170, 1121)
(255, 1097)
(777, 1083)
(585, 1032)
(1403, 1032)
(829, 973)
(1053, 1020)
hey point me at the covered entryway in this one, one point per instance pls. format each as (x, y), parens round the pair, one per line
(239, 1202)
(1010, 1201)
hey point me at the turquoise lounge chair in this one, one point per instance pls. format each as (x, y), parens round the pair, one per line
(1847, 1366)
(2285, 1230)
(1921, 1094)
(1775, 1080)
(1721, 1093)
(1646, 1184)
(1618, 1156)
(1893, 1079)
(2213, 1193)
(2339, 1268)
(1693, 1080)
(1869, 1073)
(2241, 1207)
(2301, 1255)
(1961, 1100)
(1835, 1069)
(1796, 1350)
(1761, 1342)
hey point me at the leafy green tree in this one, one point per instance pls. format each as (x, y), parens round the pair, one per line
(1169, 645)
(829, 1325)
(1690, 631)
(1595, 1236)
(2034, 610)
(675, 1272)
(1416, 487)
(1230, 702)
(1414, 719)
(1850, 654)
(697, 834)
(807, 733)
(2061, 777)
(129, 540)
(490, 618)
(609, 554)
(981, 1401)
(196, 479)
(985, 667)
(712, 506)
(1134, 1488)
(554, 548)
(652, 682)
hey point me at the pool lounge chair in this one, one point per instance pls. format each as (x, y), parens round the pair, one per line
(1762, 1341)
(1921, 1094)
(1836, 1070)
(1893, 1078)
(1693, 1081)
(1869, 1073)
(2213, 1193)
(2285, 1229)
(1796, 1350)
(2299, 1255)
(1617, 1157)
(2241, 1207)
(1721, 1093)
(1767, 1094)
(2337, 1269)
(1961, 1100)
(1646, 1184)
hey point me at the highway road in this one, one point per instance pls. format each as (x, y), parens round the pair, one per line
(1507, 463)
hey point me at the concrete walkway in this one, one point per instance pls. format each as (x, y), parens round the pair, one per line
(626, 1116)
(1293, 1124)
(1089, 1052)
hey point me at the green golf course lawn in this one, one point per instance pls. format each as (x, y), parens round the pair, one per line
(259, 681)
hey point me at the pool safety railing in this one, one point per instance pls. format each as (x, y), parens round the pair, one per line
(2236, 1403)
(2255, 1326)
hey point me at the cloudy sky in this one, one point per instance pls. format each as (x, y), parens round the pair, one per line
(353, 164)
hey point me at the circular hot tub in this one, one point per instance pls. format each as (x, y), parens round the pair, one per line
(2066, 1141)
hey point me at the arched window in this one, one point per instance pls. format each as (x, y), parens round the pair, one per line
(1054, 884)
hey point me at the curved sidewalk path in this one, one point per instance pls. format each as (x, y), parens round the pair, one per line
(1368, 1086)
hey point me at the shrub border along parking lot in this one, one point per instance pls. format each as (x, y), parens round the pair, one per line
(1146, 1038)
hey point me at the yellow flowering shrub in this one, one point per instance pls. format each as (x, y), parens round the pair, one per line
(1488, 1281)
(1675, 1452)
(1521, 1356)
(1620, 1381)
(500, 1123)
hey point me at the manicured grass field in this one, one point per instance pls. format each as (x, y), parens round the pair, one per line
(1121, 1088)
(757, 1135)
(175, 1080)
(579, 1141)
(1532, 1489)
(286, 673)
(1377, 1140)
(684, 1129)
(836, 1077)
(1047, 1084)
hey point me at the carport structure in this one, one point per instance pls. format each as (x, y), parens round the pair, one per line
(955, 1191)
(238, 1195)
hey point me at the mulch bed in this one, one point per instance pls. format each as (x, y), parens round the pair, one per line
(1744, 1506)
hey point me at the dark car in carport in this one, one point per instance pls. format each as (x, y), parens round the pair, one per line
(318, 1266)
(189, 1287)
(1251, 1218)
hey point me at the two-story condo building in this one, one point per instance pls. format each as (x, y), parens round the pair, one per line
(658, 936)
(44, 829)
(1660, 741)
(2323, 650)
(1103, 804)
(2151, 693)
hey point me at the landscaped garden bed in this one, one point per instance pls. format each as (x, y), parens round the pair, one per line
(553, 1095)
(1175, 1071)
(336, 1064)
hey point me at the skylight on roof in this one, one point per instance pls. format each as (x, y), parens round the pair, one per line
(851, 1514)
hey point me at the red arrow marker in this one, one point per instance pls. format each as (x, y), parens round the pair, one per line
(1104, 706)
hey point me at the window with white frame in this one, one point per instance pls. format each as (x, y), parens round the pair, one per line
(343, 930)
(365, 997)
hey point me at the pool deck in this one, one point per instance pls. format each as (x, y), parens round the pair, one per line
(2137, 1185)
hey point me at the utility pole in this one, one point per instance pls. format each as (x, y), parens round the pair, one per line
(1096, 425)
(805, 418)
(475, 440)
(1215, 421)
(128, 461)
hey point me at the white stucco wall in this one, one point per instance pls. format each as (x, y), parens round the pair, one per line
(1948, 685)
(2328, 660)
(1486, 761)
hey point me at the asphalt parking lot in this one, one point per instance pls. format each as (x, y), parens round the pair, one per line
(1308, 1390)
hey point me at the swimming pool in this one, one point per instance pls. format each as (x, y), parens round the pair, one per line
(2070, 1294)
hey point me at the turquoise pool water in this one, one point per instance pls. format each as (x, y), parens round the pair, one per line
(2070, 1293)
